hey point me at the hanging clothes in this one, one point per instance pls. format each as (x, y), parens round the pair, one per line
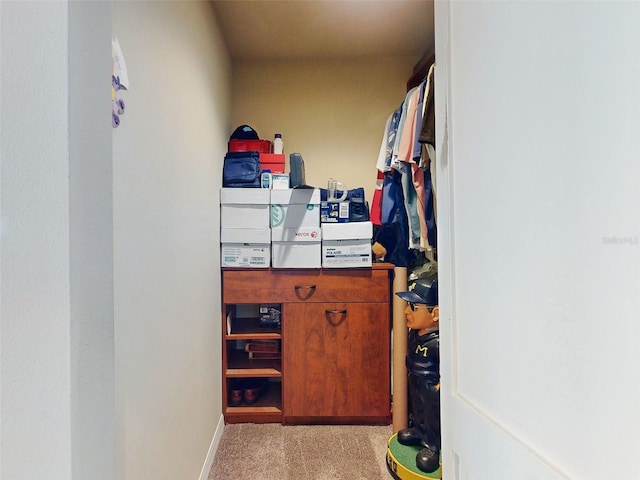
(414, 186)
(417, 146)
(428, 123)
(408, 105)
(376, 201)
(427, 137)
(405, 189)
(411, 204)
(383, 165)
(429, 210)
(428, 128)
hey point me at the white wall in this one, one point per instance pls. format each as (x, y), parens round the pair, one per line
(167, 157)
(56, 345)
(333, 112)
(540, 247)
(91, 241)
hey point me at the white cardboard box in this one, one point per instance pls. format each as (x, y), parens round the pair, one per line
(295, 216)
(346, 244)
(347, 231)
(260, 196)
(296, 247)
(250, 255)
(280, 181)
(244, 208)
(296, 235)
(296, 195)
(295, 208)
(346, 253)
(245, 235)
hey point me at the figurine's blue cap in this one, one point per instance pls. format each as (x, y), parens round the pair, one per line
(421, 291)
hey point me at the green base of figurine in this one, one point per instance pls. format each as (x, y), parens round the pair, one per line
(401, 462)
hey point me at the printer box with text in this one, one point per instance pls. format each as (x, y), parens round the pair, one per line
(346, 244)
(245, 247)
(295, 247)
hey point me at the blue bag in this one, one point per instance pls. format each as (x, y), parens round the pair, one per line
(241, 169)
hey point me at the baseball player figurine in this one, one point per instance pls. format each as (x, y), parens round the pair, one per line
(423, 366)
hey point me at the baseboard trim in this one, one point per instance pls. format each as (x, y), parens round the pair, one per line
(213, 448)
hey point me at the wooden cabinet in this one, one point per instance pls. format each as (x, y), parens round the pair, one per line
(335, 343)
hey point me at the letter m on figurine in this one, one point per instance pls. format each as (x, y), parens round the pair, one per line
(421, 350)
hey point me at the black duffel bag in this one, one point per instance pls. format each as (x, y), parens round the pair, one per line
(241, 169)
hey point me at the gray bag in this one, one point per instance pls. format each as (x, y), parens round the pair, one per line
(296, 167)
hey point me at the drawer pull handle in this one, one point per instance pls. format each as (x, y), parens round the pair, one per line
(311, 290)
(330, 315)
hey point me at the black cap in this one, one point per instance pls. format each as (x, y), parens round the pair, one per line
(421, 291)
(244, 132)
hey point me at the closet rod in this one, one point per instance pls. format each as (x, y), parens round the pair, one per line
(421, 69)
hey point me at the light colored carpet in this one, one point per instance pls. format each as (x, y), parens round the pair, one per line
(307, 452)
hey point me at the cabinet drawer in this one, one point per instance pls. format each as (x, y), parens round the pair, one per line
(282, 286)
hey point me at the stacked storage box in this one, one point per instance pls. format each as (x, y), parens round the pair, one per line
(281, 228)
(295, 228)
(268, 161)
(242, 145)
(346, 244)
(273, 162)
(245, 233)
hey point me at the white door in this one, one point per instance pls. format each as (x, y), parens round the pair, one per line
(538, 191)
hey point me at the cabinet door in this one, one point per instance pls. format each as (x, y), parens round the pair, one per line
(336, 362)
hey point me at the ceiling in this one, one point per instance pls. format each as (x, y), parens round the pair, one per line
(317, 29)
